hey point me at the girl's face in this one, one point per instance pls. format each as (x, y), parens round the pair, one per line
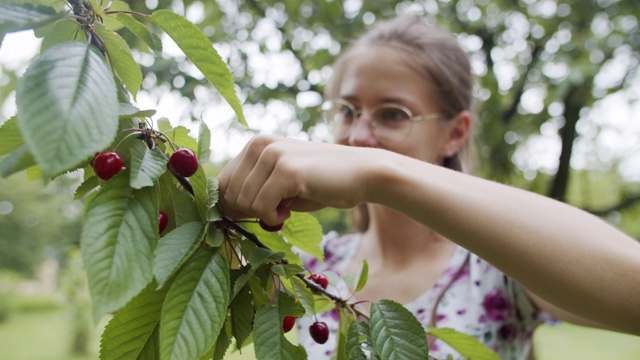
(375, 77)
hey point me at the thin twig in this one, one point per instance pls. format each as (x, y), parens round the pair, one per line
(254, 239)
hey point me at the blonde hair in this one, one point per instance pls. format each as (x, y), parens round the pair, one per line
(441, 61)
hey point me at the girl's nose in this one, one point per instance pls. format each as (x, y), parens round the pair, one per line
(361, 132)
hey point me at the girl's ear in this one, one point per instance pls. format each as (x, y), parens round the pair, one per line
(459, 129)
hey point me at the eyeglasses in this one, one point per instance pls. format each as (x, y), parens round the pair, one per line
(390, 122)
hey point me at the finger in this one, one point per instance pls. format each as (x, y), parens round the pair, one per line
(234, 175)
(273, 199)
(247, 198)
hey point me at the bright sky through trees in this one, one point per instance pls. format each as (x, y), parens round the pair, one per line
(610, 132)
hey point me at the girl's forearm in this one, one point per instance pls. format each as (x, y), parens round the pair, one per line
(565, 255)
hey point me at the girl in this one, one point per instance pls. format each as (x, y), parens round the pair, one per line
(458, 251)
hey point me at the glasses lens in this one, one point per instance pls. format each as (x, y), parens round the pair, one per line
(339, 116)
(391, 124)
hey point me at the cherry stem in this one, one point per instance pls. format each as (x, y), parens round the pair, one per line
(254, 239)
(123, 139)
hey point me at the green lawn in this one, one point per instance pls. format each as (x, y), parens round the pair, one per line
(574, 342)
(43, 333)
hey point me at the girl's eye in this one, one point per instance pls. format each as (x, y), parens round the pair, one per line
(391, 115)
(345, 113)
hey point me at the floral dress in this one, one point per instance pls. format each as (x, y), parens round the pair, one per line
(471, 296)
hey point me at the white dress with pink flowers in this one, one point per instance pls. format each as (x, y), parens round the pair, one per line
(472, 297)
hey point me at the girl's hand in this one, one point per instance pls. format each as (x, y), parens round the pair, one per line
(272, 176)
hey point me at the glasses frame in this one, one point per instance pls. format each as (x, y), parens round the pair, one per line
(329, 106)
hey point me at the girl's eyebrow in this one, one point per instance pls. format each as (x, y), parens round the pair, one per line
(387, 99)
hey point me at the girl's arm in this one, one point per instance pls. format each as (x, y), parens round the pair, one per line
(564, 255)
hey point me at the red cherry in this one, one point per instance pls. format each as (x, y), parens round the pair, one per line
(319, 331)
(270, 228)
(288, 322)
(163, 220)
(319, 279)
(183, 162)
(107, 164)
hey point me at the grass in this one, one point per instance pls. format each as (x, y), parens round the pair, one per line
(39, 328)
(41, 334)
(569, 341)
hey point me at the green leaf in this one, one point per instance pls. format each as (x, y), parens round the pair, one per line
(199, 50)
(303, 231)
(119, 55)
(266, 333)
(147, 165)
(273, 241)
(213, 211)
(196, 307)
(467, 345)
(345, 320)
(364, 275)
(242, 311)
(268, 338)
(17, 161)
(288, 306)
(175, 247)
(16, 17)
(176, 203)
(10, 137)
(287, 270)
(215, 237)
(223, 342)
(52, 3)
(357, 338)
(133, 332)
(260, 296)
(245, 275)
(141, 32)
(260, 256)
(180, 136)
(125, 139)
(130, 111)
(396, 333)
(86, 186)
(164, 125)
(62, 31)
(204, 143)
(200, 185)
(110, 20)
(118, 239)
(67, 106)
(95, 6)
(304, 295)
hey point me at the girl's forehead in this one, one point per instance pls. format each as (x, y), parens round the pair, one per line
(380, 72)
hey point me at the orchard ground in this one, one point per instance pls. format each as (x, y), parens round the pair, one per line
(39, 327)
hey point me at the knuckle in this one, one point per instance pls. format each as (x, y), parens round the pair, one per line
(260, 142)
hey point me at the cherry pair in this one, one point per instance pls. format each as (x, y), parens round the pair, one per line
(319, 330)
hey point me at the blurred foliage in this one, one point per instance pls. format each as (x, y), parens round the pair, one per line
(8, 283)
(74, 287)
(36, 221)
(543, 68)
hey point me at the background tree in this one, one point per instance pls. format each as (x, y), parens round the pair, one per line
(533, 83)
(544, 68)
(36, 222)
